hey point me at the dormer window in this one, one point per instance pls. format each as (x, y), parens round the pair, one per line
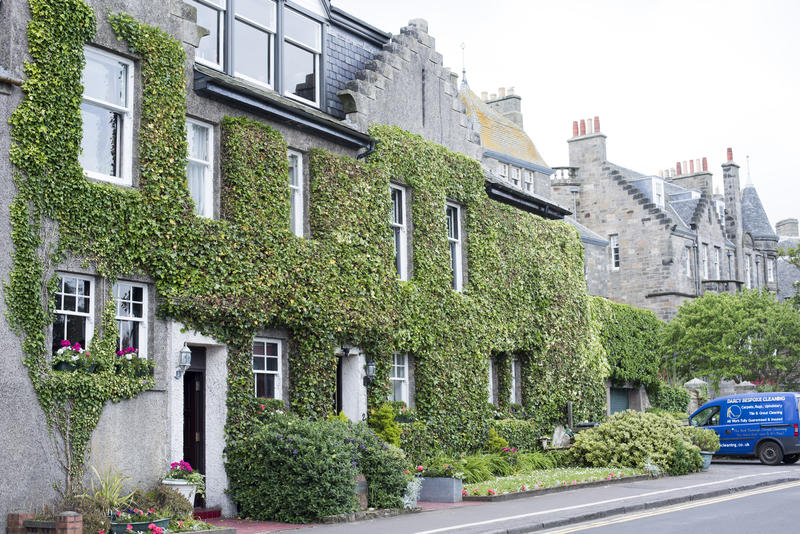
(515, 175)
(658, 192)
(268, 43)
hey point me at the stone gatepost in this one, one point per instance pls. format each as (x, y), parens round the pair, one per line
(698, 393)
(745, 387)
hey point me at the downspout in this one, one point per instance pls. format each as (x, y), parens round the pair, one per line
(696, 247)
(370, 150)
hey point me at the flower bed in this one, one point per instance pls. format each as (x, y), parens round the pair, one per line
(544, 479)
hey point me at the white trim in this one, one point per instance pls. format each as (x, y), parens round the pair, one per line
(658, 192)
(491, 381)
(689, 261)
(277, 373)
(717, 260)
(401, 240)
(142, 321)
(455, 242)
(704, 260)
(271, 51)
(399, 361)
(615, 251)
(207, 209)
(89, 316)
(296, 197)
(513, 394)
(223, 13)
(124, 165)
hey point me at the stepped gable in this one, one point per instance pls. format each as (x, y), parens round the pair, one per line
(406, 85)
(754, 219)
(498, 133)
(618, 175)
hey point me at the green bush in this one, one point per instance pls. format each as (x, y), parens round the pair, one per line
(475, 469)
(704, 438)
(419, 444)
(669, 398)
(495, 443)
(685, 459)
(521, 434)
(382, 422)
(628, 439)
(297, 470)
(166, 500)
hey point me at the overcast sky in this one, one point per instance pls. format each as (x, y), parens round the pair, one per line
(671, 80)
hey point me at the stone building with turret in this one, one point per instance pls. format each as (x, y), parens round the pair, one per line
(670, 237)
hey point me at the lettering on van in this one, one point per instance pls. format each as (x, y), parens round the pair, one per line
(758, 410)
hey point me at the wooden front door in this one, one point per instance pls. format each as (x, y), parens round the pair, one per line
(194, 415)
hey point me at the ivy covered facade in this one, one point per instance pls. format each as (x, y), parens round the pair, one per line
(163, 198)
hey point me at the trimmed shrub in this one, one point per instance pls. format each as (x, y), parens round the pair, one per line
(382, 422)
(495, 443)
(419, 444)
(703, 438)
(521, 434)
(297, 470)
(669, 398)
(628, 439)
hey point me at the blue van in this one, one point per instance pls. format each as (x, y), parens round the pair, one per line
(764, 425)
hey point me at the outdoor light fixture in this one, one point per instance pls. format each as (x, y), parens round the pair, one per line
(184, 361)
(370, 372)
(345, 351)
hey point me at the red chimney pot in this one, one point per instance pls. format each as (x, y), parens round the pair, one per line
(730, 154)
(705, 165)
(583, 127)
(597, 125)
(678, 168)
(574, 128)
(691, 166)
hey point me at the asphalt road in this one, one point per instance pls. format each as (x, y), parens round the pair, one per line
(763, 510)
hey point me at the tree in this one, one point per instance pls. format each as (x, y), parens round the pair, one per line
(743, 336)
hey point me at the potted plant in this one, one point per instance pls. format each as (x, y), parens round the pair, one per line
(706, 440)
(440, 483)
(136, 520)
(69, 357)
(186, 481)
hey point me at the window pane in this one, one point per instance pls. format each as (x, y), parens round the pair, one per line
(265, 386)
(69, 285)
(292, 169)
(300, 72)
(69, 303)
(84, 287)
(208, 18)
(302, 29)
(272, 349)
(258, 348)
(76, 329)
(272, 364)
(196, 177)
(397, 391)
(397, 206)
(59, 327)
(123, 308)
(258, 363)
(138, 294)
(138, 310)
(100, 142)
(83, 304)
(251, 52)
(198, 141)
(105, 79)
(258, 11)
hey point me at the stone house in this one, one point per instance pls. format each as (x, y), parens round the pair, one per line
(317, 75)
(670, 237)
(788, 275)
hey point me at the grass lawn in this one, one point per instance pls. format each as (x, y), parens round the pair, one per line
(548, 478)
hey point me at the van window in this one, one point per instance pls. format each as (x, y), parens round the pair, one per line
(708, 417)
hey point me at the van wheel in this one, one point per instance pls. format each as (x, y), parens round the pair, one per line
(770, 453)
(791, 458)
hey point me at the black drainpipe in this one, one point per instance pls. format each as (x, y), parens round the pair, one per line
(370, 150)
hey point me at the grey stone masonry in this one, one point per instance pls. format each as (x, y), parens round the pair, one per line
(405, 84)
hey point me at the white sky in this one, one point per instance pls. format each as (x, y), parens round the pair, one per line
(671, 80)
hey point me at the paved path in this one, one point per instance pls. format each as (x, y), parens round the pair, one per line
(581, 504)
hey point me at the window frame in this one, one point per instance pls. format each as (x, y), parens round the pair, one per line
(615, 251)
(404, 381)
(278, 387)
(527, 180)
(125, 162)
(143, 321)
(503, 171)
(748, 271)
(317, 60)
(704, 260)
(89, 316)
(456, 245)
(513, 394)
(770, 270)
(688, 261)
(658, 192)
(717, 261)
(272, 39)
(207, 210)
(400, 233)
(296, 195)
(514, 175)
(221, 27)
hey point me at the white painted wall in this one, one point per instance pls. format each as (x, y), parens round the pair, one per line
(354, 393)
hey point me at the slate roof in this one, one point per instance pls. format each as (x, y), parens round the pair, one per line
(498, 133)
(586, 235)
(754, 218)
(685, 209)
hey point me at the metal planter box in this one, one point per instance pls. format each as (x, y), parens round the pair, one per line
(440, 489)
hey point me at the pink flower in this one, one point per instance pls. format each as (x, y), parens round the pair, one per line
(101, 531)
(65, 343)
(76, 346)
(420, 468)
(120, 353)
(180, 523)
(119, 513)
(129, 527)
(263, 407)
(490, 492)
(523, 488)
(463, 494)
(406, 471)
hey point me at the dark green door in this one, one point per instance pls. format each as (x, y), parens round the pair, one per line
(619, 400)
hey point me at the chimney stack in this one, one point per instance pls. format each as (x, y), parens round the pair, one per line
(730, 154)
(787, 227)
(678, 168)
(574, 128)
(583, 127)
(502, 92)
(691, 166)
(510, 91)
(484, 96)
(597, 124)
(493, 96)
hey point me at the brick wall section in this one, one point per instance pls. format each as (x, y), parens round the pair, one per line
(16, 522)
(347, 54)
(69, 523)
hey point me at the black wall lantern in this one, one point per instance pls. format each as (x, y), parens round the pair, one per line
(370, 372)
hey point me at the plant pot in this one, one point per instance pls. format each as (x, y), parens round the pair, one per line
(440, 489)
(119, 528)
(64, 366)
(184, 487)
(706, 459)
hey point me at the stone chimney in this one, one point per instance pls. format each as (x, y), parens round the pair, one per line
(787, 227)
(508, 105)
(588, 145)
(733, 207)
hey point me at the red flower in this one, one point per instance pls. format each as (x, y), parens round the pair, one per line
(420, 468)
(263, 407)
(129, 527)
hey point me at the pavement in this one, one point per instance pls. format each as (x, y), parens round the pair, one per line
(540, 512)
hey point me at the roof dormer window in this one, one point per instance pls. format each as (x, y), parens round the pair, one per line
(658, 192)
